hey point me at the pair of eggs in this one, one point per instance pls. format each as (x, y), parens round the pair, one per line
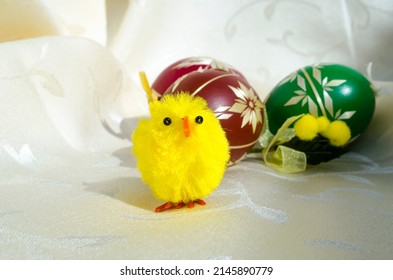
(331, 90)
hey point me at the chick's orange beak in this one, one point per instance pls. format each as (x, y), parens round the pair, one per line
(186, 126)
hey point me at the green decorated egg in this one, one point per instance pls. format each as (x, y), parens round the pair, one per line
(331, 90)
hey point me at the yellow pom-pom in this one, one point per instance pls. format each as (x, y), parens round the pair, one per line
(323, 124)
(338, 133)
(306, 128)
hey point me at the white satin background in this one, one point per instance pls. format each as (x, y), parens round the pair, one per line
(69, 187)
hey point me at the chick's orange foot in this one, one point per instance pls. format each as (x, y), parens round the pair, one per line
(198, 201)
(170, 205)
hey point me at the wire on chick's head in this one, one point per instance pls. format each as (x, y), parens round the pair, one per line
(151, 94)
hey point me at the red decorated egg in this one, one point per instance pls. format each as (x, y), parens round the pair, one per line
(184, 66)
(234, 102)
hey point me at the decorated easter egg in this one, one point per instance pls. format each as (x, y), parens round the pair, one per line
(184, 66)
(234, 102)
(335, 91)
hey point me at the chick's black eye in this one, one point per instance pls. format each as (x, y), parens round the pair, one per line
(167, 121)
(199, 119)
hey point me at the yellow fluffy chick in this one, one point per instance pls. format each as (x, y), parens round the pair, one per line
(182, 151)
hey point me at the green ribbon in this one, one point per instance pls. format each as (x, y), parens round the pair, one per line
(282, 158)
